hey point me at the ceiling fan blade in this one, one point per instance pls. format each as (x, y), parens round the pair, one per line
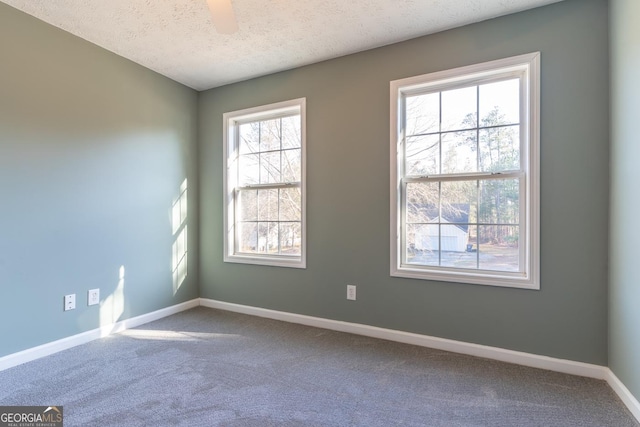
(223, 17)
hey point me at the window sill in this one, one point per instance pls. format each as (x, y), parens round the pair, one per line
(512, 280)
(274, 261)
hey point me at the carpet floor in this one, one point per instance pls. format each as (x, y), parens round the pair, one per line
(206, 367)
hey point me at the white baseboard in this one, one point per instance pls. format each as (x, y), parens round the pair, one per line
(623, 392)
(495, 353)
(43, 350)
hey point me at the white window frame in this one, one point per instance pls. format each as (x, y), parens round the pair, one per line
(528, 67)
(231, 122)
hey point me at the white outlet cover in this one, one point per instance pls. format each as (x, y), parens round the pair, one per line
(351, 292)
(93, 297)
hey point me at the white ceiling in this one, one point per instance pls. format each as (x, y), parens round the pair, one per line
(176, 38)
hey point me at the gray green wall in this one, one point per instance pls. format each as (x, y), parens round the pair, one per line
(624, 279)
(348, 190)
(93, 149)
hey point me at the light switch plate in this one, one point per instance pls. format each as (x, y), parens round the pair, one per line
(69, 302)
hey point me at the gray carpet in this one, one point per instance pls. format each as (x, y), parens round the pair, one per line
(205, 367)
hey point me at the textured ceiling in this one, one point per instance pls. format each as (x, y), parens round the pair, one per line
(176, 38)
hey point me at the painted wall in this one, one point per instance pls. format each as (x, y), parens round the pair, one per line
(93, 151)
(624, 294)
(348, 190)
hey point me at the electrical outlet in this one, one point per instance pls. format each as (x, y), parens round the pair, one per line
(93, 297)
(69, 302)
(351, 292)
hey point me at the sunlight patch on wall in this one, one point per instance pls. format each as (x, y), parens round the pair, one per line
(113, 306)
(179, 249)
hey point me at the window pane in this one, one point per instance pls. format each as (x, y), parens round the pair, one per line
(270, 135)
(423, 244)
(290, 204)
(268, 205)
(459, 109)
(291, 132)
(459, 201)
(472, 242)
(249, 170)
(453, 238)
(498, 247)
(267, 237)
(248, 236)
(290, 238)
(459, 152)
(422, 202)
(423, 114)
(422, 155)
(455, 252)
(500, 149)
(248, 205)
(291, 167)
(273, 241)
(249, 137)
(499, 201)
(500, 103)
(263, 234)
(270, 167)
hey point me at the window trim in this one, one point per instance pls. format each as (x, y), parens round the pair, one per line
(529, 65)
(231, 120)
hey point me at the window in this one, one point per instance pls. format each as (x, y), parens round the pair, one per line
(464, 174)
(265, 185)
